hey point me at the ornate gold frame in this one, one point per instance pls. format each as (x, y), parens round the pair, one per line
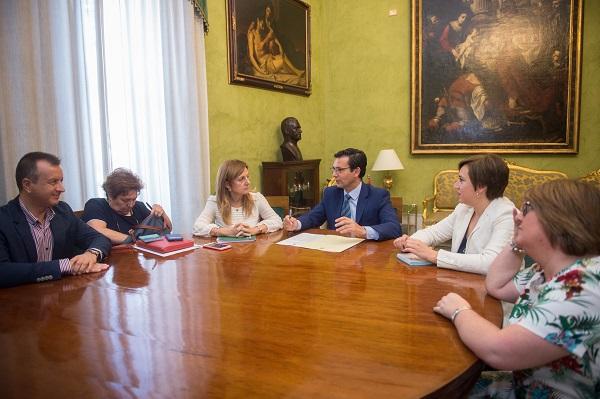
(517, 135)
(291, 72)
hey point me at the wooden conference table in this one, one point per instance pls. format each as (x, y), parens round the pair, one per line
(260, 320)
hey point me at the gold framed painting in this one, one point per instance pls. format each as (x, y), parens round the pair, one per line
(269, 44)
(495, 76)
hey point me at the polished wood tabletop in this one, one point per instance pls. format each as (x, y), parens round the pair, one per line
(257, 321)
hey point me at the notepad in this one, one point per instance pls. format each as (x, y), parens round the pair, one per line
(165, 254)
(163, 247)
(230, 239)
(412, 260)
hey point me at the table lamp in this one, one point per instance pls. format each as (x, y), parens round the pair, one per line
(387, 160)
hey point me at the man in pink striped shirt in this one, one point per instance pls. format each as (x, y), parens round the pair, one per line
(40, 237)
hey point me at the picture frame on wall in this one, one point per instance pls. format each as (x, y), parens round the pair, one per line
(269, 44)
(495, 76)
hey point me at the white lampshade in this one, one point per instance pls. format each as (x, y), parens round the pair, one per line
(387, 160)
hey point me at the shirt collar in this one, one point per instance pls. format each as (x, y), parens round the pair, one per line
(355, 193)
(32, 220)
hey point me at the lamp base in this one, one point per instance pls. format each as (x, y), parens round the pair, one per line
(387, 182)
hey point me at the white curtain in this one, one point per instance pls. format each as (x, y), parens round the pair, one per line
(106, 84)
(43, 92)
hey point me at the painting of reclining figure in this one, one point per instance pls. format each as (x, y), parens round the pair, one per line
(495, 75)
(269, 44)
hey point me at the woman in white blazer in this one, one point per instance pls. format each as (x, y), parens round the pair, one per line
(480, 225)
(236, 211)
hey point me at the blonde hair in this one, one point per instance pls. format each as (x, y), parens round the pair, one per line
(568, 212)
(227, 173)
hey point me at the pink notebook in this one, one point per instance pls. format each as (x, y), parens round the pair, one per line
(164, 246)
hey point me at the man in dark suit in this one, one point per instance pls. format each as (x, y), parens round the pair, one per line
(40, 237)
(353, 209)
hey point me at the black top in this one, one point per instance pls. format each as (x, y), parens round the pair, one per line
(463, 245)
(98, 208)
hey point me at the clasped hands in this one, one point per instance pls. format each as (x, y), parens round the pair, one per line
(241, 229)
(416, 247)
(343, 225)
(86, 263)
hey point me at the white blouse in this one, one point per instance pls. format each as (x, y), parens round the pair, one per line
(262, 213)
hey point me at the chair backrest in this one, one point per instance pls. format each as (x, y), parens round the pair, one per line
(79, 214)
(279, 203)
(522, 179)
(592, 177)
(519, 181)
(397, 205)
(443, 189)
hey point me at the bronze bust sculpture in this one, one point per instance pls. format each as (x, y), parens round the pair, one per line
(292, 133)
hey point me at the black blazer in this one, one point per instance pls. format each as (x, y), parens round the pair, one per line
(18, 256)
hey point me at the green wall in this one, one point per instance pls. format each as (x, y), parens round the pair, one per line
(361, 97)
(244, 121)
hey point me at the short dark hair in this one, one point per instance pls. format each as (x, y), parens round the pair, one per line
(488, 171)
(356, 159)
(568, 212)
(121, 181)
(27, 166)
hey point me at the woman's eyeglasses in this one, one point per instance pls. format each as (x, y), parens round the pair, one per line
(526, 207)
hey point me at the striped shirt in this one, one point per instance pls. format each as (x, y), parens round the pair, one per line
(42, 237)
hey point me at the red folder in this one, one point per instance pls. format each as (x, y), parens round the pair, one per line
(164, 246)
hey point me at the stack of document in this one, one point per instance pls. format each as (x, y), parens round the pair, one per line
(322, 242)
(163, 247)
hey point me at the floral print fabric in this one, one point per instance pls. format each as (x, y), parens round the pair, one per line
(566, 312)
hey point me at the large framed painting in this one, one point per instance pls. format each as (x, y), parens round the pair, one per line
(269, 44)
(495, 76)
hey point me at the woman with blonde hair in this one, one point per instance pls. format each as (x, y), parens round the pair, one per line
(551, 342)
(234, 210)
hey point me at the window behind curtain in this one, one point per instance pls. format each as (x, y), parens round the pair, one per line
(123, 61)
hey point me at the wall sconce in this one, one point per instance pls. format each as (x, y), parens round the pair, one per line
(387, 160)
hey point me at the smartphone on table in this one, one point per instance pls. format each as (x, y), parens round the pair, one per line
(217, 246)
(150, 238)
(174, 237)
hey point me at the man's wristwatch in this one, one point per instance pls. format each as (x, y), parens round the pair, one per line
(96, 252)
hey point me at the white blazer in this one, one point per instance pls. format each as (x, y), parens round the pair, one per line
(493, 232)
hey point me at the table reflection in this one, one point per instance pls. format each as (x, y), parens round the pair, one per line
(260, 320)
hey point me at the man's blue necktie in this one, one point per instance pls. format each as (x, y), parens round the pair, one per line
(346, 207)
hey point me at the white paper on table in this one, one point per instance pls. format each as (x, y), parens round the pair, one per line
(321, 242)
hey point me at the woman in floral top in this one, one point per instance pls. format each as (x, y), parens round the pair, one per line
(552, 342)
